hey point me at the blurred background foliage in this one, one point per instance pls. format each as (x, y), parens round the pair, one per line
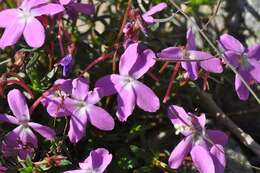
(143, 143)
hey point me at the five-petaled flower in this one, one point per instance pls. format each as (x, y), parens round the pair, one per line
(96, 162)
(245, 60)
(134, 63)
(75, 100)
(22, 20)
(205, 146)
(22, 136)
(191, 59)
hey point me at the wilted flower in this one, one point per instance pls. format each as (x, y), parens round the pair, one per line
(96, 162)
(22, 141)
(191, 59)
(205, 146)
(134, 63)
(74, 7)
(245, 60)
(22, 20)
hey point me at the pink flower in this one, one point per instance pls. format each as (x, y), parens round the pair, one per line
(22, 21)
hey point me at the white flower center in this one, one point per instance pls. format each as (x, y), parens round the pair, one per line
(25, 16)
(89, 170)
(128, 82)
(181, 128)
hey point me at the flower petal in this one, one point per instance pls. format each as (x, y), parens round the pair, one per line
(212, 65)
(191, 69)
(253, 52)
(202, 159)
(48, 9)
(26, 136)
(199, 55)
(18, 105)
(217, 137)
(233, 58)
(8, 119)
(76, 171)
(255, 69)
(100, 118)
(80, 88)
(178, 115)
(170, 53)
(98, 160)
(65, 2)
(147, 16)
(218, 156)
(229, 42)
(125, 103)
(110, 84)
(241, 89)
(94, 96)
(190, 40)
(86, 9)
(29, 4)
(146, 98)
(180, 152)
(34, 33)
(9, 14)
(45, 131)
(12, 34)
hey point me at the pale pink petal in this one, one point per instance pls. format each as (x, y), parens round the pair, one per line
(34, 33)
(48, 9)
(6, 16)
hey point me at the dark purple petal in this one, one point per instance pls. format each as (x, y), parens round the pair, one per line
(67, 63)
(217, 137)
(241, 89)
(65, 2)
(100, 118)
(46, 132)
(212, 65)
(228, 42)
(233, 58)
(86, 9)
(190, 40)
(218, 156)
(202, 159)
(253, 52)
(180, 152)
(8, 119)
(125, 103)
(255, 69)
(146, 98)
(18, 105)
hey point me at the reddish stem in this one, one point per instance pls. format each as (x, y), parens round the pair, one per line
(45, 94)
(167, 95)
(205, 82)
(163, 67)
(60, 32)
(22, 84)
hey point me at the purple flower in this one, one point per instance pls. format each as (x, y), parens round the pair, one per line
(96, 162)
(206, 147)
(192, 59)
(22, 20)
(66, 63)
(134, 63)
(245, 60)
(22, 135)
(148, 16)
(2, 169)
(73, 8)
(75, 100)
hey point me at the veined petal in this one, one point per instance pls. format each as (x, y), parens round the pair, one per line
(146, 98)
(190, 36)
(29, 4)
(18, 105)
(192, 69)
(34, 33)
(110, 84)
(229, 42)
(80, 88)
(171, 53)
(218, 156)
(48, 9)
(180, 152)
(233, 58)
(212, 65)
(45, 131)
(8, 119)
(86, 9)
(12, 33)
(125, 103)
(26, 136)
(217, 137)
(178, 115)
(202, 159)
(100, 118)
(6, 16)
